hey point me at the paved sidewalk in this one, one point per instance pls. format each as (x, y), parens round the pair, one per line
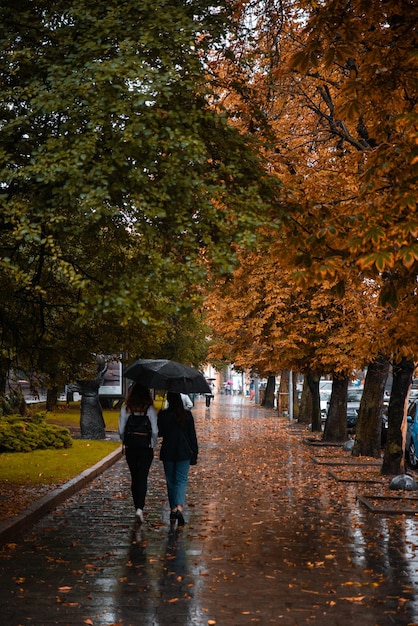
(270, 538)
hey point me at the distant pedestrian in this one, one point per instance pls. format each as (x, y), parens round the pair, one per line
(139, 431)
(179, 450)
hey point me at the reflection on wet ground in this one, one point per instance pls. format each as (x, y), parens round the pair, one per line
(270, 539)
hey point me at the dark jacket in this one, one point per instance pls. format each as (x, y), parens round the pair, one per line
(179, 444)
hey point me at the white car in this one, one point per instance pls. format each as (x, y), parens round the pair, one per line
(325, 389)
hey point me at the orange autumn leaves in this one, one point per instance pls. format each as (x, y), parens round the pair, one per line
(333, 281)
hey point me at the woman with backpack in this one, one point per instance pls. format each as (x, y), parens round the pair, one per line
(139, 431)
(179, 450)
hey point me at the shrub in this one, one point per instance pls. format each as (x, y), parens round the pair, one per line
(13, 403)
(23, 434)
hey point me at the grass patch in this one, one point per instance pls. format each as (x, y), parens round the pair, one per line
(53, 466)
(69, 417)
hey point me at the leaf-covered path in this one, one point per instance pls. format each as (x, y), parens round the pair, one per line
(271, 538)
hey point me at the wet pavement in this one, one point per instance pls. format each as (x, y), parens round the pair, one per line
(271, 538)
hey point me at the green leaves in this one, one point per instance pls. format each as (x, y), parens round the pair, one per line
(121, 187)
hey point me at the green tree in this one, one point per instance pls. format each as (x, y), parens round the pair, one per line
(121, 185)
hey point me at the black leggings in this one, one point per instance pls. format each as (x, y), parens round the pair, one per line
(139, 462)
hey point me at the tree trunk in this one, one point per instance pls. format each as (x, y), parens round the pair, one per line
(92, 424)
(52, 399)
(283, 394)
(295, 399)
(4, 375)
(268, 400)
(336, 424)
(369, 422)
(394, 455)
(312, 379)
(305, 409)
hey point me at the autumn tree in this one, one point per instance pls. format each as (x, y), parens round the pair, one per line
(375, 104)
(264, 320)
(333, 88)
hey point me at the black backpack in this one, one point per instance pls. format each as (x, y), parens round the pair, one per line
(138, 431)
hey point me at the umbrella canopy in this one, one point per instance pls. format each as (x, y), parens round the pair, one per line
(167, 375)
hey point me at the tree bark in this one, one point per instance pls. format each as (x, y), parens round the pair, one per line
(268, 400)
(336, 424)
(295, 399)
(4, 375)
(305, 409)
(394, 455)
(312, 379)
(52, 399)
(369, 422)
(283, 394)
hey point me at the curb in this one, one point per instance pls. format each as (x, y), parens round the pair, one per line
(15, 526)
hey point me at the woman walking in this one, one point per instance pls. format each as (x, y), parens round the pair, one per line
(179, 450)
(139, 431)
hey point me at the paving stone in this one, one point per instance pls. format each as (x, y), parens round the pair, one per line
(270, 539)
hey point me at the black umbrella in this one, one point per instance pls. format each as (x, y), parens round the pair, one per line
(167, 375)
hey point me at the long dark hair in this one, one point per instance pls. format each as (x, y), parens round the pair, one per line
(138, 398)
(176, 404)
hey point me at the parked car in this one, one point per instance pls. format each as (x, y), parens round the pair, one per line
(325, 389)
(352, 416)
(413, 395)
(385, 424)
(411, 444)
(353, 406)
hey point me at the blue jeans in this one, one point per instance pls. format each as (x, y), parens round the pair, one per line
(176, 475)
